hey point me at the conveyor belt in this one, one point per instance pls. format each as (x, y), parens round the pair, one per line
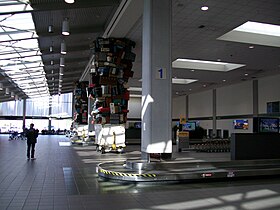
(139, 171)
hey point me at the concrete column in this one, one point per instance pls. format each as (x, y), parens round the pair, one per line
(255, 98)
(187, 107)
(24, 114)
(214, 98)
(50, 113)
(156, 78)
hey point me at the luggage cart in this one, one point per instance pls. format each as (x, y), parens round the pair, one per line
(110, 138)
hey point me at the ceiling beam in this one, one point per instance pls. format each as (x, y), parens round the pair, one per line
(37, 7)
(56, 51)
(73, 31)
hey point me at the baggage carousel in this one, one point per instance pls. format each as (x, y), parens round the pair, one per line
(178, 171)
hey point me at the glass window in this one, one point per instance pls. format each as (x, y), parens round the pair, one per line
(7, 126)
(62, 105)
(37, 107)
(62, 124)
(11, 108)
(38, 123)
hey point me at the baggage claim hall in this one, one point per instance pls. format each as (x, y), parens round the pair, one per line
(151, 104)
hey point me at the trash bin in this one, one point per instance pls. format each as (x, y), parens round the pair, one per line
(182, 140)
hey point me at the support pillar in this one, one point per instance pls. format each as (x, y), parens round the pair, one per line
(255, 98)
(214, 98)
(50, 114)
(187, 107)
(156, 112)
(24, 115)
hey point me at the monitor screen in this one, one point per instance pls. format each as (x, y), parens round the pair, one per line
(269, 125)
(137, 125)
(241, 124)
(189, 126)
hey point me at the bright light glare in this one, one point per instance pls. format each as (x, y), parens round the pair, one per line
(182, 81)
(205, 65)
(254, 33)
(259, 28)
(20, 58)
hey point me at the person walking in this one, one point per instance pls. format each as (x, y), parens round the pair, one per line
(31, 136)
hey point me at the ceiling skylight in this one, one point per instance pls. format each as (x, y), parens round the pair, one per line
(20, 57)
(9, 6)
(255, 33)
(204, 65)
(182, 81)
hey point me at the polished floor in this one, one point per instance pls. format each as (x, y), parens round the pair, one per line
(64, 177)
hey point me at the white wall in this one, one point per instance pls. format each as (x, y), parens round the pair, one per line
(235, 99)
(206, 124)
(231, 100)
(179, 107)
(269, 91)
(200, 104)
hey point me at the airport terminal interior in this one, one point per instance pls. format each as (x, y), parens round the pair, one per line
(152, 104)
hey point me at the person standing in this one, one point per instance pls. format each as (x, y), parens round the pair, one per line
(31, 136)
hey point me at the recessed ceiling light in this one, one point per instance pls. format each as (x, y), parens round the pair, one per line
(246, 74)
(192, 70)
(224, 80)
(218, 59)
(204, 65)
(254, 33)
(70, 1)
(204, 8)
(177, 93)
(190, 89)
(204, 85)
(251, 46)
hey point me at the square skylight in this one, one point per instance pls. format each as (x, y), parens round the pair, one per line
(254, 33)
(182, 81)
(205, 65)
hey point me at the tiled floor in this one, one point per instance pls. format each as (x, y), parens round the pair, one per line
(64, 177)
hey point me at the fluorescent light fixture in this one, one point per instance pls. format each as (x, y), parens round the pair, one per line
(205, 65)
(60, 78)
(254, 33)
(12, 94)
(1, 86)
(137, 89)
(7, 91)
(65, 27)
(51, 49)
(63, 48)
(182, 81)
(62, 62)
(61, 71)
(50, 29)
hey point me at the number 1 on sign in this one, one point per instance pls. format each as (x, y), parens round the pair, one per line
(161, 73)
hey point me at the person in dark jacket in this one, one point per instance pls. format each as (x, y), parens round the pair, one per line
(31, 136)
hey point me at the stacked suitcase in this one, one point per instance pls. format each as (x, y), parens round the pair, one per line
(81, 103)
(110, 72)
